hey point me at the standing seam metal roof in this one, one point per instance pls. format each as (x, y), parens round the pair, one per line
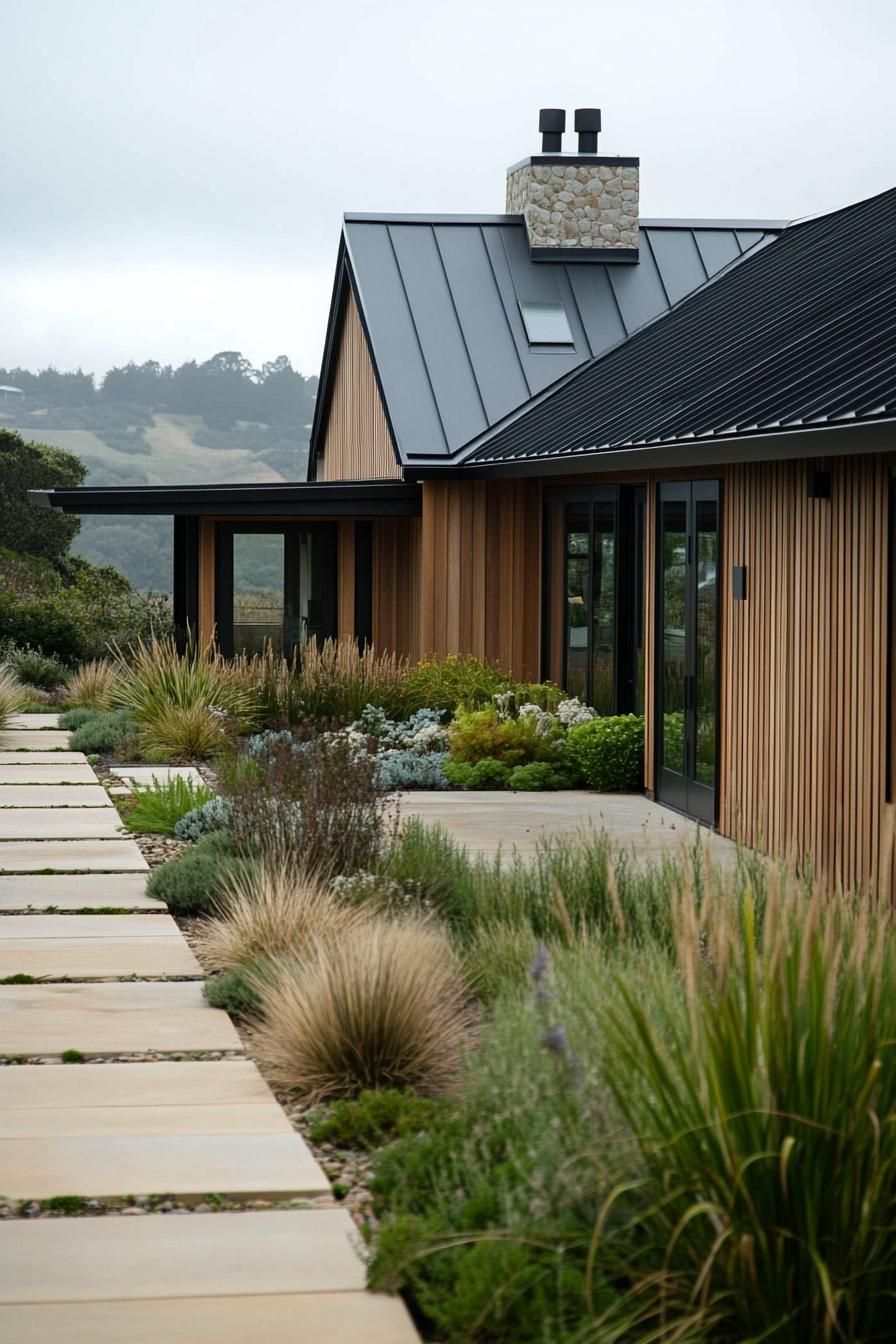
(439, 299)
(802, 334)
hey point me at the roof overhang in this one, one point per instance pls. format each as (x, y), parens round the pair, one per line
(311, 499)
(841, 440)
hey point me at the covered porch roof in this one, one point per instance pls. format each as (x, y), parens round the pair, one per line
(309, 499)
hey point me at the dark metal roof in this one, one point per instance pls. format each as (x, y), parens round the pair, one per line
(324, 499)
(439, 300)
(800, 336)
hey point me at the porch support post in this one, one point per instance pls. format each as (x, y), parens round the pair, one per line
(185, 587)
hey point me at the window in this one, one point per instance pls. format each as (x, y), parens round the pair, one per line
(546, 323)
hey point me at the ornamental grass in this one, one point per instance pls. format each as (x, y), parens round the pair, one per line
(274, 910)
(93, 684)
(385, 1005)
(157, 677)
(12, 695)
(762, 1109)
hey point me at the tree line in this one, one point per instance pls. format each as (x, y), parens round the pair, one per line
(223, 390)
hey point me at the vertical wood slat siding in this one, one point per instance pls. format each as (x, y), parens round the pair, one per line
(357, 442)
(396, 585)
(481, 572)
(803, 695)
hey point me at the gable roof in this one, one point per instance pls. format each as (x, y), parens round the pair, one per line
(439, 301)
(800, 335)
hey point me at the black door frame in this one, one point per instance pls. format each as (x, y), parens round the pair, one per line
(292, 533)
(684, 791)
(628, 517)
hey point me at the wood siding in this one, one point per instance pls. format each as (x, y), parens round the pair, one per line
(481, 572)
(804, 667)
(396, 585)
(357, 443)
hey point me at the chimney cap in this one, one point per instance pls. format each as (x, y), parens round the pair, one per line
(587, 119)
(552, 120)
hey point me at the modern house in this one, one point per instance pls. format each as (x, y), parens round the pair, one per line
(649, 459)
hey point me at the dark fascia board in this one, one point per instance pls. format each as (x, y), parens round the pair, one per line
(328, 363)
(575, 255)
(344, 283)
(845, 439)
(322, 499)
(576, 161)
(362, 218)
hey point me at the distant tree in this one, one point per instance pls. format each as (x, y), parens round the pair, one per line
(35, 466)
(285, 397)
(148, 384)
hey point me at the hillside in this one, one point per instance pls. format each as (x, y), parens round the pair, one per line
(216, 422)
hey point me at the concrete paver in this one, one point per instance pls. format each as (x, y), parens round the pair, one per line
(25, 772)
(96, 958)
(226, 1082)
(173, 1122)
(76, 891)
(71, 856)
(146, 775)
(83, 928)
(59, 823)
(160, 1256)
(32, 795)
(43, 757)
(33, 722)
(103, 1166)
(111, 1019)
(489, 820)
(23, 739)
(284, 1318)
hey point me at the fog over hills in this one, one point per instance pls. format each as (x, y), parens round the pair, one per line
(151, 424)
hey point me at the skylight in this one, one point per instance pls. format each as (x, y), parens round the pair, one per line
(546, 323)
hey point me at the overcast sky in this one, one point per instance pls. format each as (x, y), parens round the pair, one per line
(173, 172)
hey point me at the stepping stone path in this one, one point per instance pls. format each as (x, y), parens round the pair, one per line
(166, 1126)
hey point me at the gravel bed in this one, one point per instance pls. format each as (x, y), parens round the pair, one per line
(136, 1205)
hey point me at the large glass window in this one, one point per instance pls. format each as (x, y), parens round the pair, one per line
(258, 591)
(593, 620)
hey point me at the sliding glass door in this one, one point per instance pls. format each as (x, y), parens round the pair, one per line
(593, 616)
(687, 627)
(275, 586)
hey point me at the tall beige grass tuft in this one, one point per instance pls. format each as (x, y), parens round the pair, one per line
(383, 1006)
(92, 685)
(273, 911)
(12, 695)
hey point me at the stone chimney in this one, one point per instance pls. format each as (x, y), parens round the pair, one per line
(585, 204)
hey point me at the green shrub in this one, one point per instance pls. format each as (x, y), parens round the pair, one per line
(488, 774)
(448, 683)
(35, 668)
(480, 734)
(159, 808)
(609, 752)
(457, 773)
(71, 719)
(535, 776)
(103, 732)
(233, 991)
(374, 1118)
(193, 883)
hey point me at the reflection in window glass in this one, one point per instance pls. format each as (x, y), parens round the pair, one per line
(258, 598)
(674, 560)
(603, 611)
(546, 323)
(705, 668)
(576, 607)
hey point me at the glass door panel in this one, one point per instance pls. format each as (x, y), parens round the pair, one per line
(274, 587)
(578, 531)
(687, 646)
(258, 591)
(706, 631)
(603, 608)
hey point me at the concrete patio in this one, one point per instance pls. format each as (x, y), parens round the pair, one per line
(487, 822)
